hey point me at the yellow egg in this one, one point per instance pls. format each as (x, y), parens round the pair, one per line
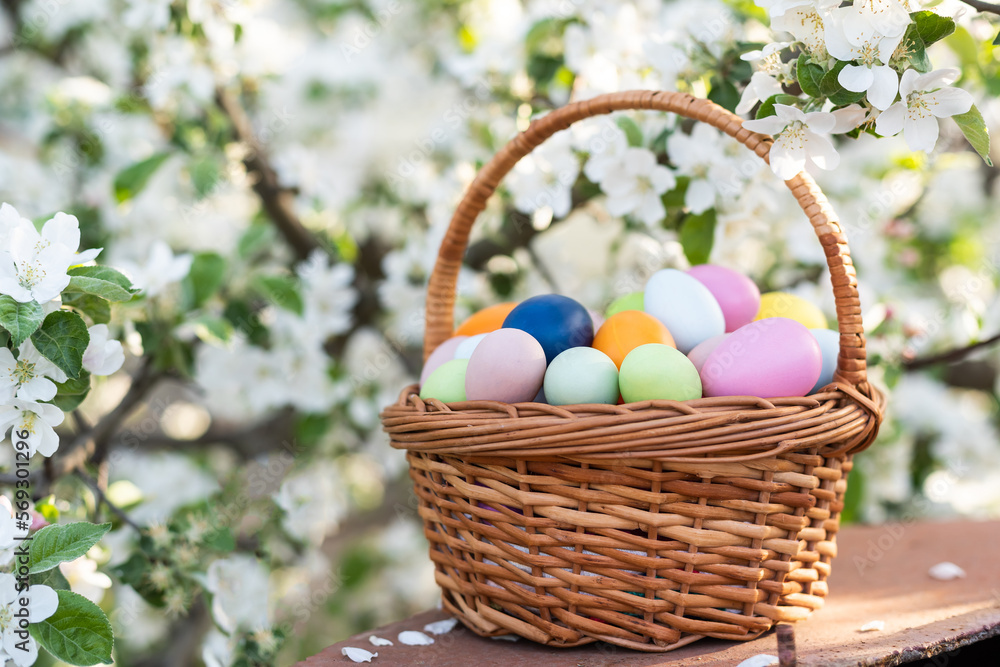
(781, 304)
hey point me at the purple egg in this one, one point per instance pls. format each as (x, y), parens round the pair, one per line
(737, 295)
(768, 358)
(441, 354)
(508, 366)
(700, 353)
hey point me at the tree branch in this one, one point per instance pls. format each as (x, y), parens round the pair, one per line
(950, 356)
(983, 6)
(101, 498)
(277, 201)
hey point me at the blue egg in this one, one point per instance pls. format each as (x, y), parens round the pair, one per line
(685, 306)
(557, 322)
(829, 345)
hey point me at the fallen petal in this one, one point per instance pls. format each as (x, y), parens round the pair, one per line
(378, 641)
(441, 627)
(414, 638)
(873, 626)
(762, 660)
(946, 571)
(358, 654)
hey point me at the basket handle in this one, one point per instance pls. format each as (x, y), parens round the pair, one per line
(851, 363)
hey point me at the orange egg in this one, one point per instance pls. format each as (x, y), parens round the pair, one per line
(623, 332)
(486, 320)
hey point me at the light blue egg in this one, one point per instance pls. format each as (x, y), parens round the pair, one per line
(829, 345)
(468, 346)
(685, 306)
(581, 375)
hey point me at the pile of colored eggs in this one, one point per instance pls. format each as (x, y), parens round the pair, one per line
(704, 332)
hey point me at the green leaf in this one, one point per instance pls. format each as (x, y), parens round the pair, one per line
(19, 319)
(724, 93)
(101, 281)
(52, 578)
(932, 27)
(72, 393)
(809, 76)
(65, 542)
(62, 339)
(974, 128)
(94, 307)
(212, 329)
(830, 86)
(767, 106)
(256, 238)
(78, 633)
(208, 270)
(698, 235)
(221, 540)
(631, 130)
(47, 508)
(996, 40)
(281, 291)
(130, 181)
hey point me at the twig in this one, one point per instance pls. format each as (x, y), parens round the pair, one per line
(83, 446)
(950, 356)
(103, 499)
(983, 6)
(277, 200)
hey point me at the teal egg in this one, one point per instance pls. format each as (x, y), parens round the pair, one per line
(447, 383)
(656, 371)
(581, 375)
(829, 346)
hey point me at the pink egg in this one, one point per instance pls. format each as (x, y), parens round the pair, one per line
(701, 351)
(767, 358)
(441, 354)
(737, 295)
(508, 366)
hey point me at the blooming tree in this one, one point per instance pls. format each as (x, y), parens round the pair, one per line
(195, 405)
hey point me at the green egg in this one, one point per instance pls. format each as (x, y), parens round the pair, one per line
(656, 371)
(581, 375)
(632, 301)
(447, 383)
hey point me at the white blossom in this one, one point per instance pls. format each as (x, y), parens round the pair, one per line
(700, 157)
(761, 87)
(36, 421)
(925, 98)
(798, 138)
(104, 355)
(636, 188)
(805, 22)
(84, 578)
(314, 502)
(32, 268)
(850, 38)
(240, 588)
(546, 176)
(43, 602)
(30, 377)
(161, 269)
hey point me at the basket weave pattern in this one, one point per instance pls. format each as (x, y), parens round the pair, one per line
(647, 525)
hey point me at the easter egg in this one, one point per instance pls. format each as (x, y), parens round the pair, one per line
(627, 330)
(701, 351)
(581, 375)
(447, 382)
(656, 371)
(782, 304)
(465, 349)
(508, 365)
(767, 358)
(557, 322)
(486, 320)
(441, 354)
(829, 346)
(631, 301)
(685, 306)
(736, 294)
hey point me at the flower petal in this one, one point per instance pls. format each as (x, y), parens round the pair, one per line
(907, 83)
(856, 78)
(820, 150)
(885, 83)
(948, 102)
(921, 133)
(821, 121)
(787, 159)
(937, 79)
(44, 602)
(890, 122)
(771, 125)
(848, 118)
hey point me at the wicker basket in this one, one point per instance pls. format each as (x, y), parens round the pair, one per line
(647, 525)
